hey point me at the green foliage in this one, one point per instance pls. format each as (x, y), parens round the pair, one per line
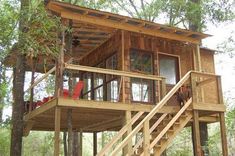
(182, 144)
(38, 143)
(4, 141)
(40, 31)
(8, 24)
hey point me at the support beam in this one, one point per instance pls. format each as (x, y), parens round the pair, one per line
(123, 67)
(196, 134)
(57, 132)
(223, 134)
(127, 149)
(146, 137)
(94, 143)
(124, 26)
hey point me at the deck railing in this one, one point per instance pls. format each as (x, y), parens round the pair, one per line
(118, 73)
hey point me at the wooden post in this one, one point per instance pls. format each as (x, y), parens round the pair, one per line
(223, 134)
(163, 88)
(196, 133)
(128, 149)
(146, 137)
(94, 143)
(123, 66)
(219, 90)
(57, 132)
(80, 143)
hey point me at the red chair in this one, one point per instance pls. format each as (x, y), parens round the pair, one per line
(76, 92)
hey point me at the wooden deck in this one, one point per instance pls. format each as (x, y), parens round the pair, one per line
(95, 116)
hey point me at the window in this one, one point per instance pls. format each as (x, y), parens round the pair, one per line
(169, 68)
(141, 61)
(141, 89)
(112, 81)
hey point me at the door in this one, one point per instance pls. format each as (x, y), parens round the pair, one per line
(169, 68)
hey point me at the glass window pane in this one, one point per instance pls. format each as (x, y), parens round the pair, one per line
(168, 69)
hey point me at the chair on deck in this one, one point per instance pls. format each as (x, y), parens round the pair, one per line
(76, 93)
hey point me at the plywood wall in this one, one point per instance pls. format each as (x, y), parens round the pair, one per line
(152, 45)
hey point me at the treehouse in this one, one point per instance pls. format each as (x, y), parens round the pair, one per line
(116, 73)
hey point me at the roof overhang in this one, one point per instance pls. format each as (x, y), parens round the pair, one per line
(106, 19)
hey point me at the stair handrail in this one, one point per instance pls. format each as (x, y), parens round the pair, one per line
(173, 120)
(152, 113)
(154, 126)
(119, 134)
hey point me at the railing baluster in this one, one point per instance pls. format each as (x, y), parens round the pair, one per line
(146, 133)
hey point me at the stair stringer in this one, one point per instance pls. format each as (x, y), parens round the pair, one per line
(177, 129)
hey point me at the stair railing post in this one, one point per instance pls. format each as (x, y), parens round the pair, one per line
(163, 87)
(146, 143)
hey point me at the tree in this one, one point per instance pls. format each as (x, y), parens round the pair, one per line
(37, 34)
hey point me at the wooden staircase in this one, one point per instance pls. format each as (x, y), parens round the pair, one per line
(156, 136)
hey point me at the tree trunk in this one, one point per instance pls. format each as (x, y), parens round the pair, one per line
(18, 95)
(75, 143)
(65, 143)
(18, 106)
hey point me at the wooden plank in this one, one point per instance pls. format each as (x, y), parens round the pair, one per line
(204, 82)
(194, 88)
(99, 124)
(163, 88)
(219, 90)
(127, 149)
(45, 107)
(125, 26)
(123, 19)
(154, 126)
(169, 140)
(40, 79)
(209, 107)
(57, 132)
(196, 134)
(123, 66)
(113, 105)
(146, 138)
(119, 134)
(223, 134)
(173, 120)
(112, 72)
(152, 113)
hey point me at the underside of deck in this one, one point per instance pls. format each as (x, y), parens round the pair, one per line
(94, 116)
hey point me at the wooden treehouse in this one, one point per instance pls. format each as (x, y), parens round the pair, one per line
(136, 77)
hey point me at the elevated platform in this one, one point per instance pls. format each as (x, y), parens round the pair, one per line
(95, 116)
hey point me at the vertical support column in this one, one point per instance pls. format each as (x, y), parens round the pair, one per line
(94, 143)
(163, 87)
(128, 148)
(123, 67)
(223, 134)
(57, 132)
(146, 137)
(219, 90)
(196, 134)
